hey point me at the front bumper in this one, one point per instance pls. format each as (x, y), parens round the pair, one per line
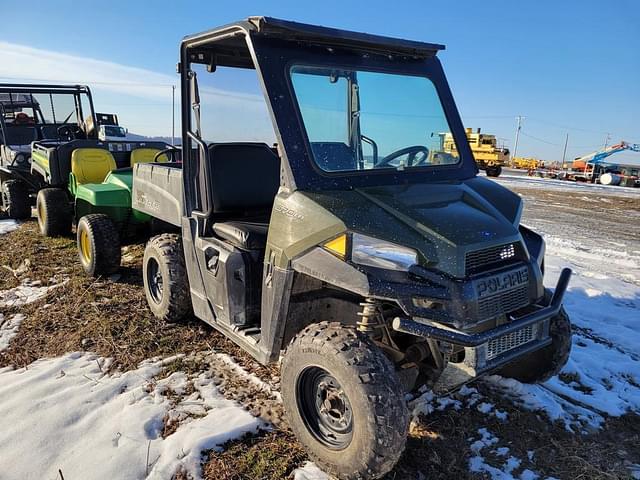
(485, 351)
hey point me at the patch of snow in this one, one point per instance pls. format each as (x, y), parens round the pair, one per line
(25, 293)
(65, 413)
(564, 185)
(603, 372)
(310, 472)
(502, 451)
(9, 329)
(529, 475)
(7, 226)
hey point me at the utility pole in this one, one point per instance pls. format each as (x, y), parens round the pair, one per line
(173, 115)
(515, 144)
(564, 152)
(606, 141)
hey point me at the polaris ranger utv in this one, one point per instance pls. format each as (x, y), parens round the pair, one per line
(357, 253)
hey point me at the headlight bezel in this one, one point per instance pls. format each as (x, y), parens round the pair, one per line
(368, 251)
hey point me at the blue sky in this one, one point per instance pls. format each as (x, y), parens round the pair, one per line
(567, 66)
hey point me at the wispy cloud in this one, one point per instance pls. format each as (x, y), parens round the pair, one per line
(23, 63)
(118, 83)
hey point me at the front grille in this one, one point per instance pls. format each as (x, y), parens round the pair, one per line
(507, 342)
(491, 257)
(505, 302)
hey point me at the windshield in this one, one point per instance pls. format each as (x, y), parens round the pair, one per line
(361, 120)
(114, 131)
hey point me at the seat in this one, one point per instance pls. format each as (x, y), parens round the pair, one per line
(91, 165)
(244, 235)
(147, 155)
(244, 178)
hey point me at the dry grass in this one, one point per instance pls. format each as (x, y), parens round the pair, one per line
(111, 318)
(265, 456)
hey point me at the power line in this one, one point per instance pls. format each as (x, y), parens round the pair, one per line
(540, 140)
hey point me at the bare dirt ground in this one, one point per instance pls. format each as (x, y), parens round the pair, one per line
(109, 317)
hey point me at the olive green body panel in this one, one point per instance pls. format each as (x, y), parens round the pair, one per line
(111, 197)
(441, 221)
(298, 223)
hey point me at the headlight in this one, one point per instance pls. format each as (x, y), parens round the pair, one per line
(373, 252)
(20, 159)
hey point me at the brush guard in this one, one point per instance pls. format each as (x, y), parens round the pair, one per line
(485, 351)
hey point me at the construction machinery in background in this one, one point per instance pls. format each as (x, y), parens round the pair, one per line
(593, 167)
(489, 157)
(526, 163)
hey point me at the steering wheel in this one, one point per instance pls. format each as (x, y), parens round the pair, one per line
(411, 152)
(172, 150)
(69, 132)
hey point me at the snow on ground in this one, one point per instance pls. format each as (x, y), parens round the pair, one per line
(513, 181)
(27, 292)
(310, 472)
(7, 226)
(603, 302)
(9, 327)
(109, 426)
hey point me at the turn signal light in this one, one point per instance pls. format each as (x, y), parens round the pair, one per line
(338, 246)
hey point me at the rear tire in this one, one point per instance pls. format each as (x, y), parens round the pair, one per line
(54, 212)
(493, 171)
(164, 274)
(15, 199)
(344, 401)
(98, 244)
(541, 365)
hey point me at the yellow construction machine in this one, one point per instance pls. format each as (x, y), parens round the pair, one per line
(488, 155)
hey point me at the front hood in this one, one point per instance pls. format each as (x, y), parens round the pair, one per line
(442, 221)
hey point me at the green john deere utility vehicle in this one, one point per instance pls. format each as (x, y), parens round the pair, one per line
(74, 175)
(102, 210)
(34, 113)
(357, 253)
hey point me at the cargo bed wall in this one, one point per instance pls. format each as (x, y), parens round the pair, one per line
(157, 191)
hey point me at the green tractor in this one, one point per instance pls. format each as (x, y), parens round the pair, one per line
(88, 182)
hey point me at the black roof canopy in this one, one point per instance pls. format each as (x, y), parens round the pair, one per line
(229, 46)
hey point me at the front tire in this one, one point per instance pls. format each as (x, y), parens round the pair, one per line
(344, 401)
(541, 365)
(15, 199)
(98, 244)
(54, 212)
(164, 274)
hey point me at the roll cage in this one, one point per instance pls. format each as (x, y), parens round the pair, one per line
(270, 47)
(19, 96)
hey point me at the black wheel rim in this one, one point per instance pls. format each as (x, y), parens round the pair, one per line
(325, 408)
(154, 280)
